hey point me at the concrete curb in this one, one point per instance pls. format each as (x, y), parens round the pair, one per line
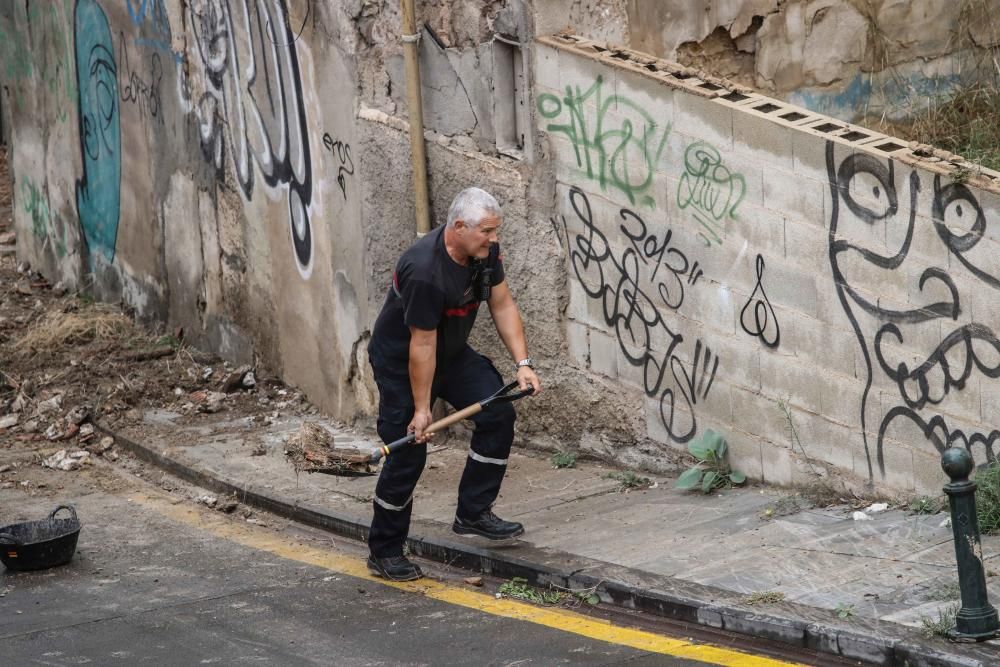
(617, 585)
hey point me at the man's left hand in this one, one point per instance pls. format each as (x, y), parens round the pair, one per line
(526, 377)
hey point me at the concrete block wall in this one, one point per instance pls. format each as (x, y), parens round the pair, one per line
(727, 253)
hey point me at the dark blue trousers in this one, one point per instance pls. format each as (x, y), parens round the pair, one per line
(471, 377)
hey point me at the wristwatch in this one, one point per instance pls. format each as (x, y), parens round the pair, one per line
(525, 362)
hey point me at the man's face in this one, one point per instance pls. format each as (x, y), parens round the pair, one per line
(476, 241)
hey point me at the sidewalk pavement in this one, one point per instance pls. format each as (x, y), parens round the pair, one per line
(858, 589)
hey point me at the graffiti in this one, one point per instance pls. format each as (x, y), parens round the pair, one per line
(915, 391)
(709, 189)
(151, 15)
(133, 89)
(762, 314)
(341, 152)
(620, 149)
(51, 66)
(256, 101)
(645, 338)
(98, 193)
(46, 226)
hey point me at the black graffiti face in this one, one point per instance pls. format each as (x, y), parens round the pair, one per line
(922, 352)
(249, 56)
(646, 339)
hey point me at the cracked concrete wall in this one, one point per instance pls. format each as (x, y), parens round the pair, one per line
(182, 159)
(257, 192)
(725, 257)
(845, 58)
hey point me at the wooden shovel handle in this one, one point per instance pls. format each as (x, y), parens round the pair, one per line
(454, 418)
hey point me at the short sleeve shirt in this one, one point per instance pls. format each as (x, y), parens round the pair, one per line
(430, 291)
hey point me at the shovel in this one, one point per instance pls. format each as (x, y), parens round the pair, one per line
(501, 396)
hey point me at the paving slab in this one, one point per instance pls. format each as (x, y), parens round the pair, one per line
(656, 548)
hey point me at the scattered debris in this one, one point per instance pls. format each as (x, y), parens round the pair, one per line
(62, 460)
(860, 516)
(877, 507)
(228, 507)
(210, 501)
(241, 378)
(474, 581)
(763, 597)
(311, 450)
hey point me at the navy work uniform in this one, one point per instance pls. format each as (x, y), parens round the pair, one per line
(431, 291)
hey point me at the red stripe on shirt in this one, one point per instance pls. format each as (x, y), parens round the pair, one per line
(462, 311)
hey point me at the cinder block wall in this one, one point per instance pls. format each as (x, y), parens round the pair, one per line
(728, 255)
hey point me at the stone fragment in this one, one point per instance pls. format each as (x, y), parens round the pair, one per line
(7, 421)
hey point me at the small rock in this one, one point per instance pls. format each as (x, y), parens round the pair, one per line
(249, 381)
(877, 507)
(111, 455)
(234, 381)
(208, 500)
(5, 468)
(86, 430)
(213, 402)
(946, 523)
(106, 443)
(20, 403)
(861, 516)
(54, 431)
(257, 522)
(23, 288)
(50, 405)
(474, 581)
(7, 421)
(30, 426)
(178, 391)
(78, 415)
(228, 507)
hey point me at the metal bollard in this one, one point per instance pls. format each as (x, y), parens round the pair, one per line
(977, 620)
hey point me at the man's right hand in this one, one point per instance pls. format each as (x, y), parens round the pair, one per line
(421, 420)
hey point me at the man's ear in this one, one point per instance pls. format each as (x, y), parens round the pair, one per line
(460, 225)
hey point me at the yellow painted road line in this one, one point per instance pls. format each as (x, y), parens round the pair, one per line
(564, 620)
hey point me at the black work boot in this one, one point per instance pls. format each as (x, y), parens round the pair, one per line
(488, 525)
(396, 568)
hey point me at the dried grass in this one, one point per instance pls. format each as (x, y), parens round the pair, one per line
(58, 329)
(965, 123)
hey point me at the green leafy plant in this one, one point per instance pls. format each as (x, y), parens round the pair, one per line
(945, 621)
(519, 589)
(763, 597)
(988, 499)
(926, 505)
(712, 470)
(844, 610)
(629, 480)
(564, 460)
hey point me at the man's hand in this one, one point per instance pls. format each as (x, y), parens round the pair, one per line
(525, 377)
(421, 420)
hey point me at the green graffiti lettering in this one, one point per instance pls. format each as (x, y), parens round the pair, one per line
(615, 141)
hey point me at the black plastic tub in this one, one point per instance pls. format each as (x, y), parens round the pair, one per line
(36, 545)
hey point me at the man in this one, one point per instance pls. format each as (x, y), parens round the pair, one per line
(419, 352)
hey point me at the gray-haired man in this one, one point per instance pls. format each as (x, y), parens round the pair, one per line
(419, 352)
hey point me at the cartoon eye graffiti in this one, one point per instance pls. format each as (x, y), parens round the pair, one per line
(957, 216)
(867, 187)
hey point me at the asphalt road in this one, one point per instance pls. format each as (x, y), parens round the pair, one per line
(161, 580)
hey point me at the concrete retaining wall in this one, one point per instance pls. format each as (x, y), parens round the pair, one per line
(675, 243)
(728, 255)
